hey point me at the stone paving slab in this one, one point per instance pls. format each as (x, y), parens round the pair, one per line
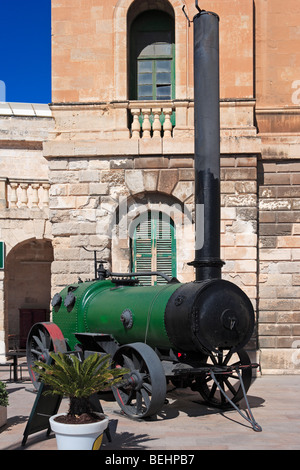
(185, 423)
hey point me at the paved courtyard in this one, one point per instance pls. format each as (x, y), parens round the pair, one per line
(185, 423)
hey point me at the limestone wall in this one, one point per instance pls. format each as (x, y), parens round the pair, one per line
(23, 209)
(279, 260)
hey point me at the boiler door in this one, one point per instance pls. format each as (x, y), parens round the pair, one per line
(222, 316)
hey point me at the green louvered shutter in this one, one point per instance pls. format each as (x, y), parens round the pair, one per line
(154, 247)
(142, 253)
(165, 249)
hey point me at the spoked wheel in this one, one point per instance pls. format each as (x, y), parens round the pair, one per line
(229, 381)
(43, 338)
(144, 392)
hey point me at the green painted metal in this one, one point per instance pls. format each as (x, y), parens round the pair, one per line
(2, 255)
(100, 304)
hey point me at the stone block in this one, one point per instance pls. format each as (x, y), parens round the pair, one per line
(98, 189)
(242, 200)
(283, 360)
(150, 180)
(276, 279)
(273, 329)
(242, 174)
(115, 177)
(62, 202)
(88, 176)
(177, 146)
(228, 213)
(78, 189)
(289, 242)
(64, 229)
(246, 161)
(274, 255)
(187, 162)
(227, 187)
(246, 239)
(267, 342)
(240, 253)
(125, 163)
(276, 178)
(246, 187)
(150, 146)
(66, 254)
(151, 162)
(58, 164)
(245, 266)
(167, 180)
(183, 190)
(186, 174)
(267, 317)
(134, 181)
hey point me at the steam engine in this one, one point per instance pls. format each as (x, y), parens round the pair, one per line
(190, 334)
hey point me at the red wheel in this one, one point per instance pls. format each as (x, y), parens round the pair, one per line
(43, 338)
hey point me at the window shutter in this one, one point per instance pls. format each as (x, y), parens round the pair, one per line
(165, 249)
(154, 247)
(143, 250)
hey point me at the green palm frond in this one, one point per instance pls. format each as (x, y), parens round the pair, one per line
(71, 377)
(3, 395)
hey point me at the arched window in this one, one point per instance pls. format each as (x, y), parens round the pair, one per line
(153, 246)
(152, 57)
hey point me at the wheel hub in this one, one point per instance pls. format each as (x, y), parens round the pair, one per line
(135, 380)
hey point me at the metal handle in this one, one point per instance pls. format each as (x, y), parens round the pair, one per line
(147, 273)
(197, 6)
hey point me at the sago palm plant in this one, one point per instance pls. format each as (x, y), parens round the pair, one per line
(78, 380)
(3, 395)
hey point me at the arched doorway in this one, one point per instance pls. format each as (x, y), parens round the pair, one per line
(27, 289)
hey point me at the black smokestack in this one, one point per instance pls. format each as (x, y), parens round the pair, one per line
(207, 146)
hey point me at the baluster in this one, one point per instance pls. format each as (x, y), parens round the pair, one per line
(24, 194)
(46, 187)
(35, 195)
(157, 123)
(3, 193)
(167, 124)
(136, 127)
(146, 123)
(13, 195)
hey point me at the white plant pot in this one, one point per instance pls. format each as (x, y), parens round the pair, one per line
(78, 436)
(3, 415)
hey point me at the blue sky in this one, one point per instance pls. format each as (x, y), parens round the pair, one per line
(25, 51)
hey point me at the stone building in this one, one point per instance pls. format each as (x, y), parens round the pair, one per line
(115, 151)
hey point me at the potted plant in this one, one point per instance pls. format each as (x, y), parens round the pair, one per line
(81, 428)
(3, 404)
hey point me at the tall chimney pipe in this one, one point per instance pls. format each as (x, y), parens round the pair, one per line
(207, 261)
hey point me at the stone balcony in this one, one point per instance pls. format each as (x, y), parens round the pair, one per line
(133, 128)
(24, 194)
(24, 210)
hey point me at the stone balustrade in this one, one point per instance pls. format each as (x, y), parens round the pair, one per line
(21, 193)
(152, 119)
